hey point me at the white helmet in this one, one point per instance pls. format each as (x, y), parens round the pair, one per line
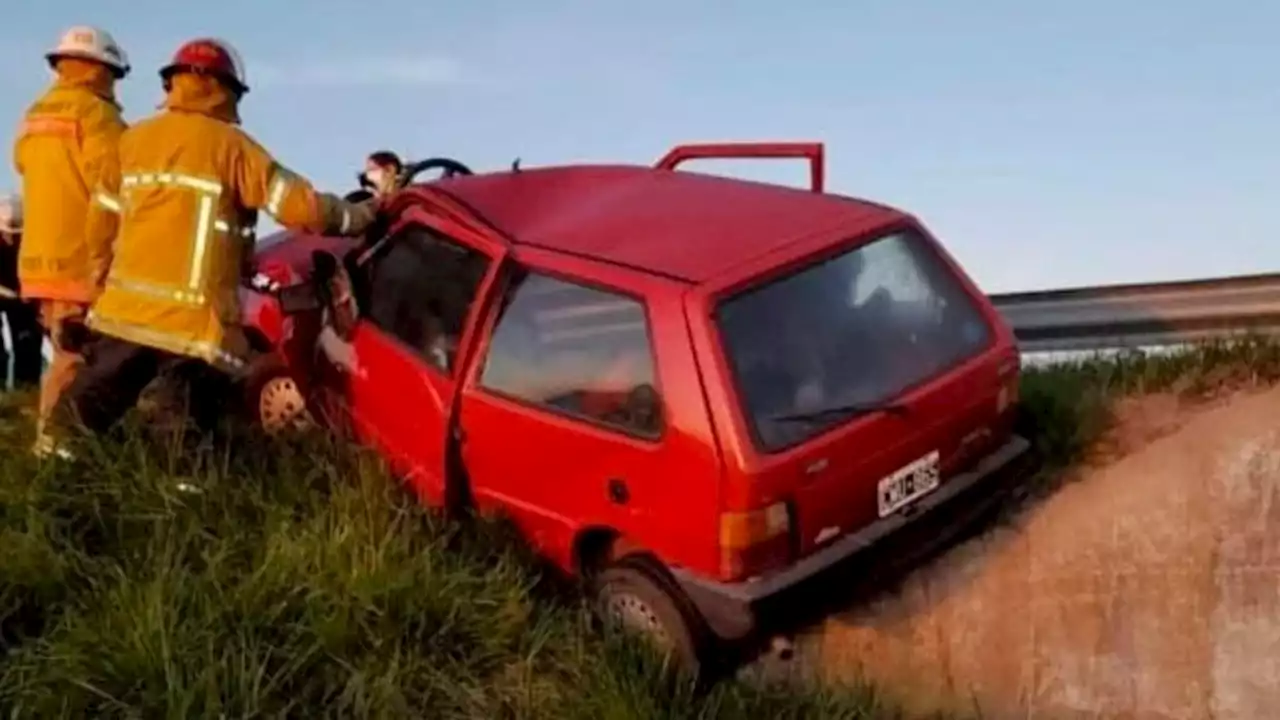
(91, 43)
(11, 214)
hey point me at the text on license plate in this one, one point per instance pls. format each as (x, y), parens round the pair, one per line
(908, 483)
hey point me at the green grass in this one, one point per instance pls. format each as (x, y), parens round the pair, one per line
(1069, 404)
(298, 580)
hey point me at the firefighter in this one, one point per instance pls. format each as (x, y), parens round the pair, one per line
(25, 336)
(67, 140)
(190, 183)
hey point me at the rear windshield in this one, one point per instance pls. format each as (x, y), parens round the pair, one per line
(810, 350)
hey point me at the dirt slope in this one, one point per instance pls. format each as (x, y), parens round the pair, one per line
(1149, 588)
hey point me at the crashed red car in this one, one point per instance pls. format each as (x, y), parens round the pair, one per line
(696, 391)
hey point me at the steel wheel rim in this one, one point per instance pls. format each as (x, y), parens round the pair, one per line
(634, 614)
(281, 405)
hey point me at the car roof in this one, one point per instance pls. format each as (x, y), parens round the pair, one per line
(679, 224)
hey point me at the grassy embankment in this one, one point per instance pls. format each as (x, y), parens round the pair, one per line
(291, 578)
(1071, 403)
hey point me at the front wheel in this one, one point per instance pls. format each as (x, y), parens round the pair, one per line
(273, 399)
(637, 598)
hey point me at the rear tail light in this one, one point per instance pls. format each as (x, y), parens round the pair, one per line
(754, 541)
(1008, 396)
(1009, 380)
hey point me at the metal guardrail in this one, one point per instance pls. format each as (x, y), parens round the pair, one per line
(1113, 317)
(1142, 315)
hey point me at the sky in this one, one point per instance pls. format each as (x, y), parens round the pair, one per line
(1045, 144)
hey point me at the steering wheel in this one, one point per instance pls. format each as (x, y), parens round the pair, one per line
(448, 166)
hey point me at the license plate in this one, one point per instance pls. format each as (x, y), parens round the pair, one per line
(908, 483)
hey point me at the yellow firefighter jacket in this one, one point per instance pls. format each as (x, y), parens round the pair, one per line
(189, 184)
(67, 140)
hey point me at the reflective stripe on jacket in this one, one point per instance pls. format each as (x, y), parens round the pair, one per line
(67, 140)
(189, 186)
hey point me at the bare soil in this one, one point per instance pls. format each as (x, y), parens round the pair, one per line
(1149, 587)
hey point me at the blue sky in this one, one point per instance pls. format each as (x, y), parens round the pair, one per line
(1047, 144)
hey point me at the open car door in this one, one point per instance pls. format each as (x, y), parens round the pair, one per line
(393, 379)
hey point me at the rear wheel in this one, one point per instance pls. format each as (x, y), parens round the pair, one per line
(273, 399)
(637, 597)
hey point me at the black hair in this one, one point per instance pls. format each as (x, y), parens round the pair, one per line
(386, 157)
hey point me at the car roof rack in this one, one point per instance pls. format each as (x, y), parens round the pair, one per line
(814, 152)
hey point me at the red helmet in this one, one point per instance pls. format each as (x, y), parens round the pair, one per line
(208, 56)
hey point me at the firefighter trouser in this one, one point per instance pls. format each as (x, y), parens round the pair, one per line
(117, 371)
(27, 339)
(64, 322)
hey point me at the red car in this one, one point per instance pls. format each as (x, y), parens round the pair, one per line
(695, 391)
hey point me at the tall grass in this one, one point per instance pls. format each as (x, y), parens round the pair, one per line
(250, 578)
(1069, 406)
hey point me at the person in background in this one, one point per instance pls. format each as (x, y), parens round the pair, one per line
(382, 172)
(20, 315)
(189, 184)
(66, 141)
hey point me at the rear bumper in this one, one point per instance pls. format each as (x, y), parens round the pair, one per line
(731, 609)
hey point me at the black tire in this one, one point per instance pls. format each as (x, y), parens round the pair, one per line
(267, 375)
(639, 595)
(164, 401)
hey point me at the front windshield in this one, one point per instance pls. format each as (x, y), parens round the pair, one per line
(846, 335)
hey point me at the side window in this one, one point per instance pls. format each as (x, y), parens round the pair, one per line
(577, 350)
(420, 287)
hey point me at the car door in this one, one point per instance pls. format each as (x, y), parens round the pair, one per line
(569, 423)
(419, 295)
